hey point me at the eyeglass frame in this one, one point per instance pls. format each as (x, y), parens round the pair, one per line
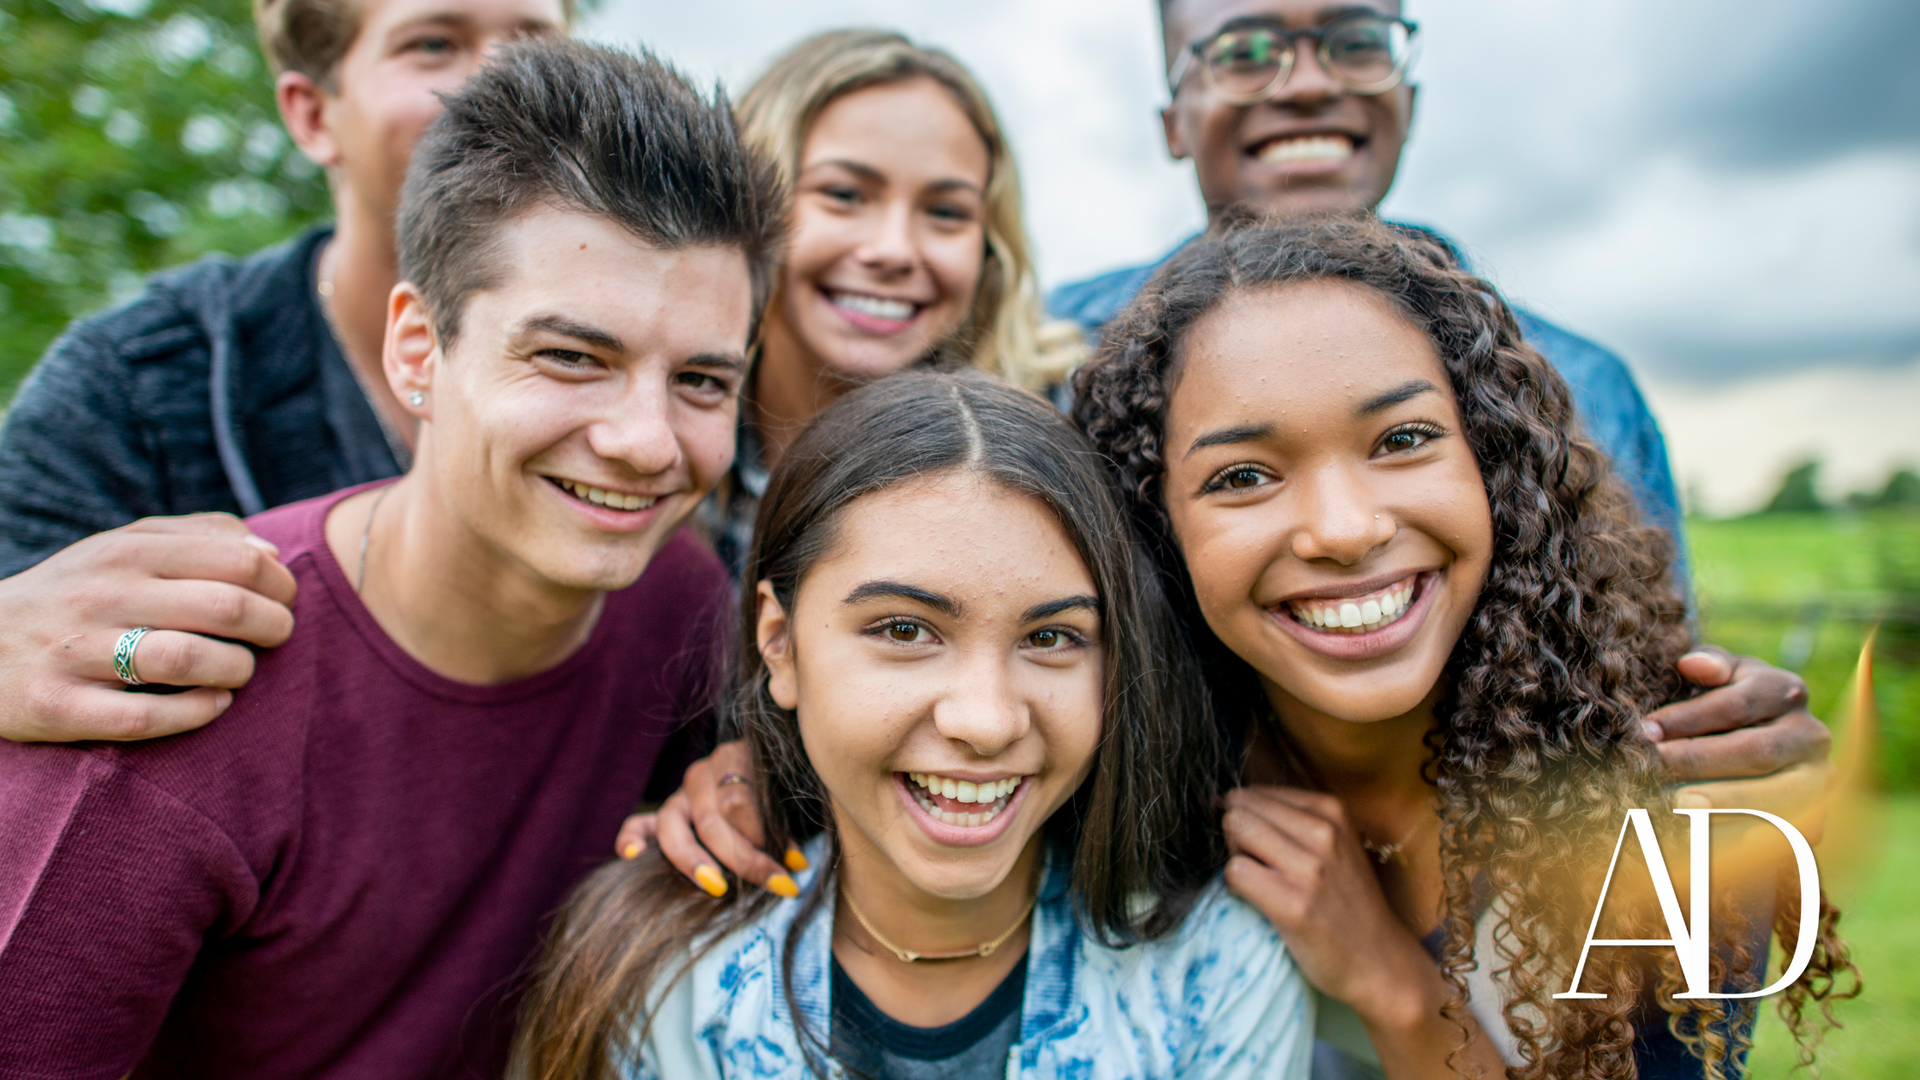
(1290, 55)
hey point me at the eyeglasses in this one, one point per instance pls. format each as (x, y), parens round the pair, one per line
(1366, 54)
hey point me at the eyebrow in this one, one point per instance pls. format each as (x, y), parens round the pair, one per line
(579, 331)
(1066, 603)
(869, 590)
(1224, 436)
(723, 361)
(1406, 391)
(1320, 18)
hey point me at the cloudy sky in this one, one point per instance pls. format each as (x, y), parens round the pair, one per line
(1725, 191)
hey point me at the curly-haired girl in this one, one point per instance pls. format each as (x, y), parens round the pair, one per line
(1435, 623)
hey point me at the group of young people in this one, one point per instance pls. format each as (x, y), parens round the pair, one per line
(1271, 711)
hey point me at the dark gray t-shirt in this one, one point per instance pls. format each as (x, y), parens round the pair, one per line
(869, 1043)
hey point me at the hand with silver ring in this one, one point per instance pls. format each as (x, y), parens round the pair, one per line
(123, 655)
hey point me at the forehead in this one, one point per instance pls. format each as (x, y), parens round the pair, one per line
(958, 534)
(681, 301)
(1312, 350)
(1189, 19)
(913, 121)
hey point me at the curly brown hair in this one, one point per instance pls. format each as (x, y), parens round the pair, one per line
(1534, 756)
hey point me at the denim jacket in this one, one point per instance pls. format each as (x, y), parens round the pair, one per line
(1609, 401)
(1219, 998)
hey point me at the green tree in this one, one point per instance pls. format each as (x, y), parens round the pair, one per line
(134, 135)
(1797, 493)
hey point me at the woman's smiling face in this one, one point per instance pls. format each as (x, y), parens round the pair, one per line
(889, 229)
(1329, 509)
(949, 640)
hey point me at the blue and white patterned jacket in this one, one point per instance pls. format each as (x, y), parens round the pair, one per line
(1219, 998)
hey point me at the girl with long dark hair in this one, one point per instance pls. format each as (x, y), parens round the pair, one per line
(1431, 618)
(964, 703)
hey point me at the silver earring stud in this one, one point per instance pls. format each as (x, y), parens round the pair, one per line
(416, 399)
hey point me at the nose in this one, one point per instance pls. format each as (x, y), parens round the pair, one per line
(984, 708)
(1339, 518)
(889, 245)
(638, 430)
(1309, 84)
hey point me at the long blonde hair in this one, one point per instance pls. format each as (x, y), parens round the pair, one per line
(1004, 331)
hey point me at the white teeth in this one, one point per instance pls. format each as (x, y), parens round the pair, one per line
(1307, 148)
(1358, 615)
(991, 796)
(899, 310)
(602, 497)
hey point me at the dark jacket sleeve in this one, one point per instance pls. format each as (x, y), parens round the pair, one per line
(75, 458)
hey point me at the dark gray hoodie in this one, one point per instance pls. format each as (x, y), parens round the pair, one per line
(220, 387)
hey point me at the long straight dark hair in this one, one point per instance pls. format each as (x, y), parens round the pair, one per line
(1140, 830)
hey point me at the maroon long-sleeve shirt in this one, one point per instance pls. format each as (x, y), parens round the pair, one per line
(346, 874)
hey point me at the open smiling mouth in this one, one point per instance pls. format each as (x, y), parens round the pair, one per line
(1306, 149)
(873, 307)
(1359, 614)
(962, 802)
(611, 500)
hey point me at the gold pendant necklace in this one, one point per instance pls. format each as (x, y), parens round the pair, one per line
(908, 956)
(1396, 851)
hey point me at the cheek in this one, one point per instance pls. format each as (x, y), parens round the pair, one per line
(957, 263)
(819, 240)
(708, 436)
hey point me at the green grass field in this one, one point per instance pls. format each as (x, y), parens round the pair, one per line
(1802, 591)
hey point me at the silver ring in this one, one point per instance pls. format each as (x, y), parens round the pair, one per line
(123, 655)
(732, 778)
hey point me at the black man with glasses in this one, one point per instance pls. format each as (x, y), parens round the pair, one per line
(1295, 107)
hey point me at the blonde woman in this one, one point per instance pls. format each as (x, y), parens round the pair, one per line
(908, 247)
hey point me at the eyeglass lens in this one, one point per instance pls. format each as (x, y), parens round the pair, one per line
(1365, 53)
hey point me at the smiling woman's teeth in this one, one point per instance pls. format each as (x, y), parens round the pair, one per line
(897, 310)
(612, 500)
(1355, 614)
(991, 796)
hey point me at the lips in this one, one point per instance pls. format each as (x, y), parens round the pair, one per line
(950, 821)
(612, 500)
(874, 314)
(1332, 638)
(1319, 148)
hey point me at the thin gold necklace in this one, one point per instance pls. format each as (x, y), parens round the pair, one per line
(985, 948)
(1396, 851)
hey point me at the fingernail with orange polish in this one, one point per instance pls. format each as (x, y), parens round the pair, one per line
(782, 885)
(795, 861)
(632, 850)
(710, 880)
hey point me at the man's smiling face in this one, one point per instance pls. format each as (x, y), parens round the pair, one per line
(587, 402)
(1313, 147)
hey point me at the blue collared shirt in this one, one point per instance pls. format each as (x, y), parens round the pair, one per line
(1219, 998)
(1615, 414)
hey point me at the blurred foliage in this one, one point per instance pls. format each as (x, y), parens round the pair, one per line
(134, 135)
(1802, 590)
(1798, 490)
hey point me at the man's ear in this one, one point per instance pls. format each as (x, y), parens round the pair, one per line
(1176, 143)
(412, 351)
(306, 110)
(774, 634)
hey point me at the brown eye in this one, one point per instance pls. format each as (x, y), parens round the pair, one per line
(1243, 478)
(1401, 441)
(1047, 639)
(904, 631)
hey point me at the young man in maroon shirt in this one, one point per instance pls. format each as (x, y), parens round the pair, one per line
(492, 656)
